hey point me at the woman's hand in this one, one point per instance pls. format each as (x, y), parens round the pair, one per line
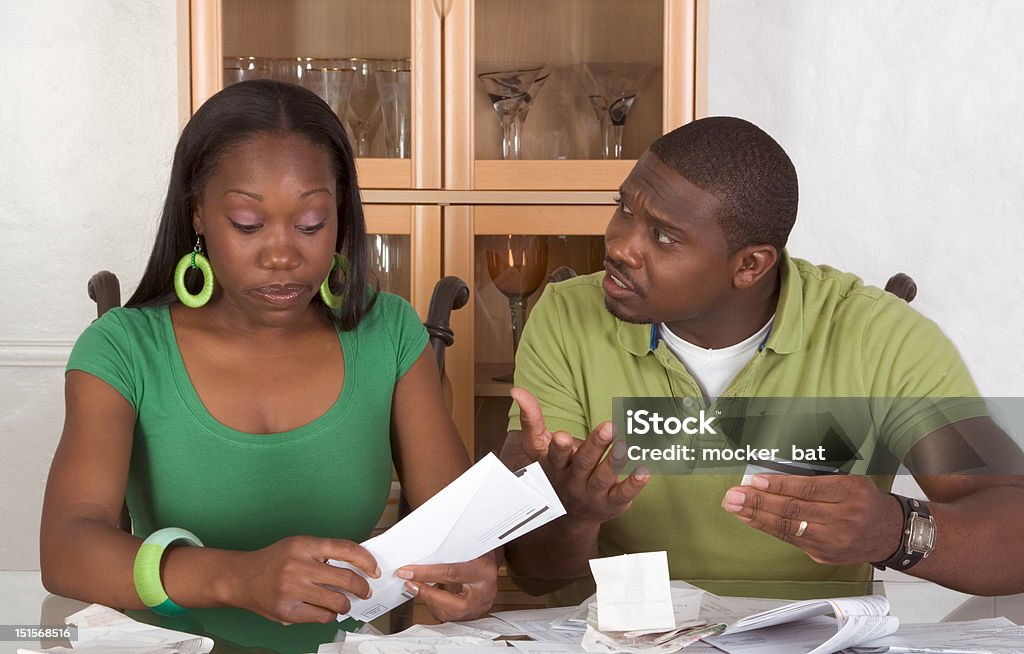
(464, 591)
(291, 581)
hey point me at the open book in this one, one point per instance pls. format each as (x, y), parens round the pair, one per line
(820, 626)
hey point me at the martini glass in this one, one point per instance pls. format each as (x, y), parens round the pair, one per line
(508, 88)
(612, 91)
(517, 265)
(524, 108)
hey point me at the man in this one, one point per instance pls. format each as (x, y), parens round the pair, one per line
(699, 299)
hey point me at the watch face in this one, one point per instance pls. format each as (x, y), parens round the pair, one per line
(921, 539)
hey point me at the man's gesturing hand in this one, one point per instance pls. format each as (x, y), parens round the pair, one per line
(586, 481)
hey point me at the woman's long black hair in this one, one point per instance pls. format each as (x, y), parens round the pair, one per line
(231, 116)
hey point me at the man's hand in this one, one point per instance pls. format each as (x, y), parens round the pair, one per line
(588, 486)
(848, 520)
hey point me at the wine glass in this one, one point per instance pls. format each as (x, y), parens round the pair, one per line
(612, 89)
(508, 86)
(363, 101)
(388, 262)
(331, 83)
(237, 69)
(394, 86)
(293, 69)
(517, 265)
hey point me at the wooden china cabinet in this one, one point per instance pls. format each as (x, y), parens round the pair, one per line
(454, 206)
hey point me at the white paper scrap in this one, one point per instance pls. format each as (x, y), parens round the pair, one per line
(633, 592)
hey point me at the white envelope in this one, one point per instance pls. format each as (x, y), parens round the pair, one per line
(486, 507)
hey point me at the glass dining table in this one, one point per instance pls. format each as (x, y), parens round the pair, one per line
(25, 603)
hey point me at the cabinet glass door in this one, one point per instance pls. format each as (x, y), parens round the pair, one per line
(359, 55)
(404, 241)
(567, 75)
(511, 273)
(563, 94)
(513, 253)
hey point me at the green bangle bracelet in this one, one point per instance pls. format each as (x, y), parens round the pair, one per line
(147, 569)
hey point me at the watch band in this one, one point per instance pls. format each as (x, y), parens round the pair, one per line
(917, 538)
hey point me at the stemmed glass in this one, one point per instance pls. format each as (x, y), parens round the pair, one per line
(363, 101)
(394, 86)
(388, 263)
(237, 69)
(508, 88)
(524, 108)
(331, 83)
(294, 69)
(517, 265)
(612, 92)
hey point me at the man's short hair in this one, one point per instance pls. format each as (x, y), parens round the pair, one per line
(750, 174)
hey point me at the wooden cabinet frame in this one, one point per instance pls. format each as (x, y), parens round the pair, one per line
(442, 197)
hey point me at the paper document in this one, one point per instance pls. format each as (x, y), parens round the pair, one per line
(633, 592)
(804, 628)
(485, 508)
(102, 629)
(496, 625)
(785, 467)
(988, 636)
(413, 644)
(536, 624)
(533, 647)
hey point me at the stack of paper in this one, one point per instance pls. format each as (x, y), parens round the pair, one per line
(538, 624)
(102, 629)
(806, 627)
(637, 609)
(759, 626)
(643, 641)
(486, 507)
(986, 636)
(447, 638)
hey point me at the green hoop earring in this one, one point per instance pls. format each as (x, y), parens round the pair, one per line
(328, 296)
(194, 259)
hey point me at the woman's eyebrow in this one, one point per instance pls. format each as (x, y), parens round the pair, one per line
(322, 189)
(250, 194)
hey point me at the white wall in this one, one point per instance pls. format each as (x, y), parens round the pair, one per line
(88, 123)
(905, 120)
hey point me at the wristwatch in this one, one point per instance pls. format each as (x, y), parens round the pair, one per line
(917, 539)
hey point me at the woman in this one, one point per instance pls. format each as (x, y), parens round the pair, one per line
(253, 392)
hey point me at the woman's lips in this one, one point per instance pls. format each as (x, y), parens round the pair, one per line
(280, 293)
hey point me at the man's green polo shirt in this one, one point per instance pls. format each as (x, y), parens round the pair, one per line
(832, 337)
